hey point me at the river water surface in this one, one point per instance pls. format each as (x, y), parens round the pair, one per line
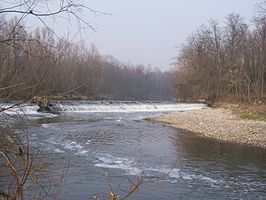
(104, 145)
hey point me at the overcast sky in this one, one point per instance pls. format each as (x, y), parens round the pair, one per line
(149, 31)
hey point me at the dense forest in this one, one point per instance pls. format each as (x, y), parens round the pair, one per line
(39, 63)
(224, 62)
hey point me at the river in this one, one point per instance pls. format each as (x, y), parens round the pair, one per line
(103, 145)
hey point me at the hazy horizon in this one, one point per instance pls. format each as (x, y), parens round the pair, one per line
(148, 32)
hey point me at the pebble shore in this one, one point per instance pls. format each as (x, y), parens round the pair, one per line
(218, 123)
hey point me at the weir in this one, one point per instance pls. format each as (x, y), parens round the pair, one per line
(108, 107)
(127, 107)
(113, 137)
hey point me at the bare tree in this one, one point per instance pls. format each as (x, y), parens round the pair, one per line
(25, 61)
(227, 62)
(66, 9)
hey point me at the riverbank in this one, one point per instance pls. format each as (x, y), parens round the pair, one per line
(218, 123)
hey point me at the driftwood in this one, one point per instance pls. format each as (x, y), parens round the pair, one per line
(44, 105)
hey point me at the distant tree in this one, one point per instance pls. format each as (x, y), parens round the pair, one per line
(224, 62)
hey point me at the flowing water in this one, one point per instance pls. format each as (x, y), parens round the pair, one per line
(103, 145)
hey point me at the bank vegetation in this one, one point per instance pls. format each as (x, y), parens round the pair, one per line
(37, 62)
(224, 62)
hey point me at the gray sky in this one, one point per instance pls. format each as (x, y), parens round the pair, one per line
(149, 31)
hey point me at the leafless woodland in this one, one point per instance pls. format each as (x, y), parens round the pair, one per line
(225, 62)
(37, 62)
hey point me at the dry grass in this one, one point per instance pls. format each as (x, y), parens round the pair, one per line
(260, 116)
(255, 110)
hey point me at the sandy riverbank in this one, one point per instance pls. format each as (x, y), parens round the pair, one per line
(218, 123)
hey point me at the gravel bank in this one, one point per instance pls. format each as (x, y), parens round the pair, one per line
(218, 123)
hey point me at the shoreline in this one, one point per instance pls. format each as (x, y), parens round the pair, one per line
(218, 123)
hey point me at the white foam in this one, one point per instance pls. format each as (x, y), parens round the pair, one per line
(72, 145)
(82, 152)
(94, 107)
(58, 150)
(124, 164)
(46, 125)
(131, 168)
(176, 174)
(53, 141)
(88, 142)
(31, 110)
(128, 107)
(21, 109)
(62, 146)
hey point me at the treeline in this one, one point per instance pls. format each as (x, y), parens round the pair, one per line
(224, 62)
(39, 63)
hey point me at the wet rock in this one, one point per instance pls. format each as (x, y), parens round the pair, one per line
(44, 105)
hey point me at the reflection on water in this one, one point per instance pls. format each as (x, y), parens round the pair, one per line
(208, 149)
(124, 145)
